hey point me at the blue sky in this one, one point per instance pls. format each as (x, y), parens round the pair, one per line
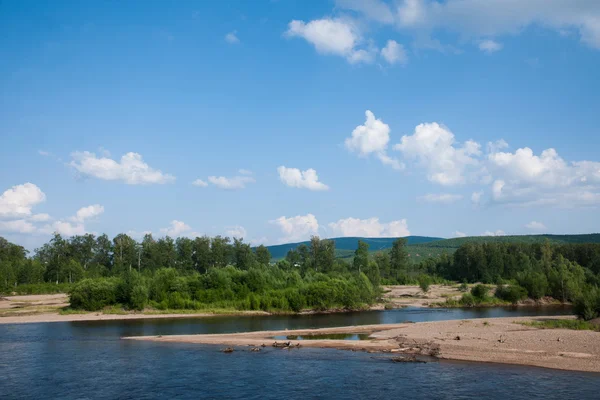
(483, 118)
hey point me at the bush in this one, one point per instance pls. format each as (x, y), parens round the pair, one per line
(468, 300)
(587, 304)
(463, 287)
(424, 282)
(139, 297)
(479, 291)
(93, 294)
(512, 293)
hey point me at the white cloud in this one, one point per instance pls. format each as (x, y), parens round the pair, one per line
(176, 229)
(372, 138)
(17, 226)
(476, 197)
(236, 232)
(332, 37)
(43, 153)
(527, 179)
(459, 234)
(131, 169)
(232, 38)
(40, 217)
(199, 183)
(374, 9)
(394, 53)
(245, 171)
(536, 226)
(496, 233)
(490, 46)
(308, 179)
(433, 146)
(441, 198)
(297, 228)
(236, 182)
(493, 147)
(18, 200)
(65, 228)
(484, 19)
(89, 212)
(370, 227)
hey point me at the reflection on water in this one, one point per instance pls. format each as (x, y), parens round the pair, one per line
(88, 360)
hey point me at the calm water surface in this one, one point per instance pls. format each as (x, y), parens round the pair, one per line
(87, 360)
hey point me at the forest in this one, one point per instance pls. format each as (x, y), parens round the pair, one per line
(220, 272)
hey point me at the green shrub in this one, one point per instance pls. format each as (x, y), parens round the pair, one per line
(587, 304)
(93, 294)
(511, 293)
(468, 300)
(424, 282)
(480, 291)
(139, 297)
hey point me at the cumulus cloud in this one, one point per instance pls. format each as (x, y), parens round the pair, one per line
(332, 37)
(89, 212)
(490, 46)
(40, 217)
(177, 229)
(459, 234)
(433, 147)
(370, 227)
(17, 226)
(232, 38)
(528, 179)
(297, 228)
(494, 233)
(307, 179)
(236, 182)
(199, 183)
(483, 20)
(65, 228)
(372, 138)
(536, 226)
(394, 53)
(476, 197)
(446, 198)
(131, 169)
(374, 9)
(236, 232)
(18, 200)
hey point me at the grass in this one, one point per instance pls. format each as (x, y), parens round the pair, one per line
(575, 324)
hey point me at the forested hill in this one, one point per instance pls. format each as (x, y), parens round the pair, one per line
(351, 243)
(525, 239)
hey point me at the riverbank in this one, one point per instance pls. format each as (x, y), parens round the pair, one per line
(495, 340)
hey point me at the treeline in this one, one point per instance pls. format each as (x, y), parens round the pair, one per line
(186, 273)
(566, 272)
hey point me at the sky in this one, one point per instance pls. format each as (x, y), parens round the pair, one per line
(278, 120)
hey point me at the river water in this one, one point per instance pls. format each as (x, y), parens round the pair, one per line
(87, 360)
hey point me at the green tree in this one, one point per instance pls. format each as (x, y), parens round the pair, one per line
(263, 255)
(361, 257)
(399, 260)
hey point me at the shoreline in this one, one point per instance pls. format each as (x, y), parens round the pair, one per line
(493, 340)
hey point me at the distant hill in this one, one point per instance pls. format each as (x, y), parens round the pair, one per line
(421, 247)
(457, 242)
(346, 245)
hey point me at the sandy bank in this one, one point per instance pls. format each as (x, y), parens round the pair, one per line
(498, 340)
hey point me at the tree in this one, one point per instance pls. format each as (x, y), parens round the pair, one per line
(220, 251)
(326, 256)
(399, 261)
(315, 248)
(361, 257)
(124, 254)
(201, 255)
(185, 252)
(263, 255)
(103, 252)
(243, 255)
(82, 249)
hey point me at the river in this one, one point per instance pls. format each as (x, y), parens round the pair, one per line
(87, 360)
